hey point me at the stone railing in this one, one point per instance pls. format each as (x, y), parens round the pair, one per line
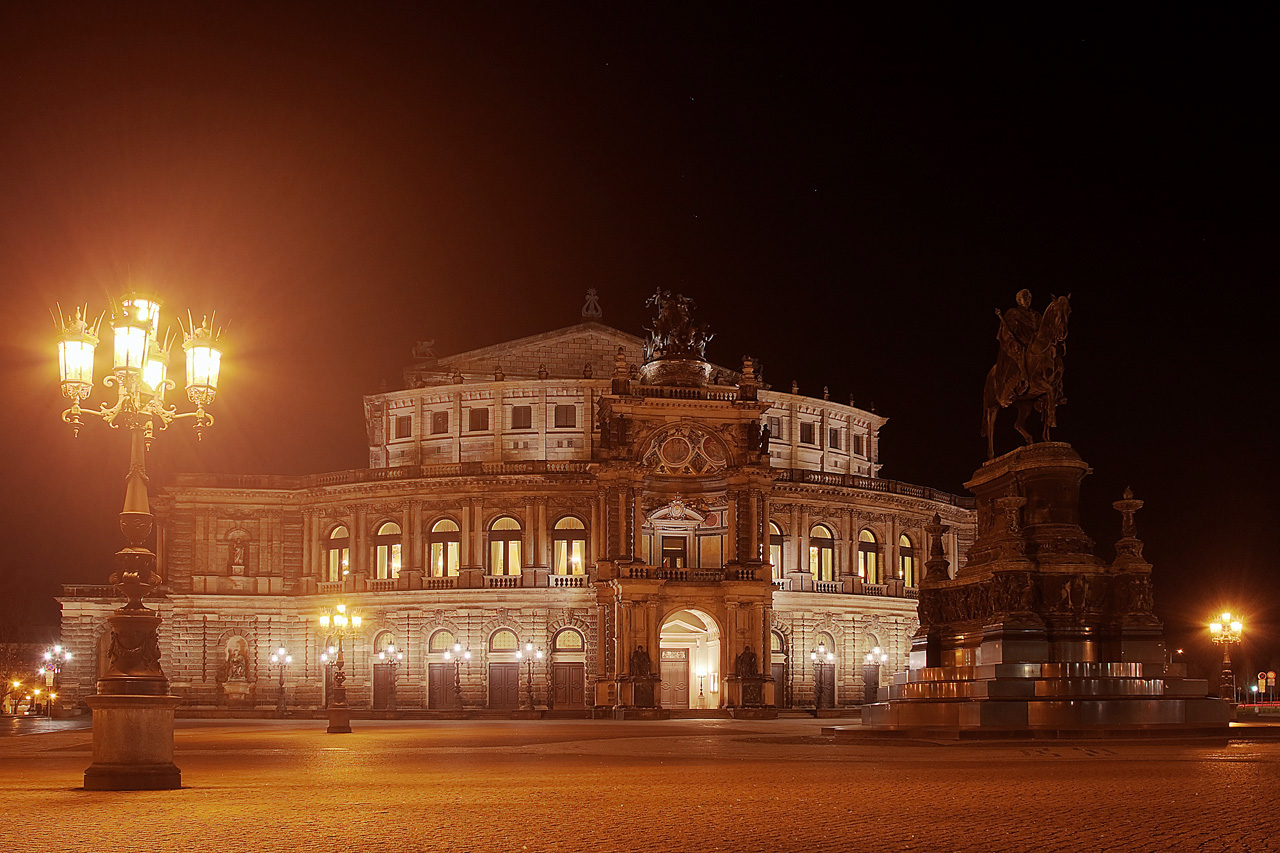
(671, 392)
(90, 590)
(782, 584)
(331, 587)
(377, 475)
(558, 581)
(875, 589)
(382, 585)
(827, 586)
(912, 593)
(502, 581)
(871, 484)
(450, 582)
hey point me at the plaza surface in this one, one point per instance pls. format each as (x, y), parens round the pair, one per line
(673, 785)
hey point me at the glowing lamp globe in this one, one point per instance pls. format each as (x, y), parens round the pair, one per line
(132, 330)
(204, 361)
(76, 345)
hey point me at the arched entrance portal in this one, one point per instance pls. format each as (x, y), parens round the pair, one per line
(689, 661)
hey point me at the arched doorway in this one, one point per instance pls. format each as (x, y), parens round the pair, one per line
(689, 661)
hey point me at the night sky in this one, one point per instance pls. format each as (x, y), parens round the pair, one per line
(847, 199)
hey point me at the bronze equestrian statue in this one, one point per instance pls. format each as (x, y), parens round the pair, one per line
(1028, 368)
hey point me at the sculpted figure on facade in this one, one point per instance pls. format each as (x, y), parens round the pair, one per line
(746, 665)
(1028, 368)
(674, 334)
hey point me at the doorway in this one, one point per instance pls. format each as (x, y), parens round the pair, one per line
(504, 686)
(689, 661)
(440, 693)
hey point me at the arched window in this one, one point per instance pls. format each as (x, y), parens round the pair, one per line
(822, 553)
(445, 542)
(339, 554)
(868, 557)
(825, 642)
(441, 641)
(387, 547)
(504, 546)
(569, 546)
(567, 640)
(777, 643)
(906, 560)
(385, 643)
(503, 640)
(775, 551)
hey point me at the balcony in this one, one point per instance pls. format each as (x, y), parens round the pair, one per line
(870, 484)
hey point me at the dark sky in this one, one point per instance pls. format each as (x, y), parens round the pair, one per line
(848, 199)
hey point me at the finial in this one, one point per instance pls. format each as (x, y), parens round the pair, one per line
(542, 371)
(795, 387)
(587, 371)
(826, 392)
(498, 375)
(591, 308)
(457, 377)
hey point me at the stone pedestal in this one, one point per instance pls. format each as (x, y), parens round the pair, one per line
(132, 744)
(339, 720)
(1035, 633)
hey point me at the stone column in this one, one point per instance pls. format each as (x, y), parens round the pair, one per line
(637, 525)
(731, 528)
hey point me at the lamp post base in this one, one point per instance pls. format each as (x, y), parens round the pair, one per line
(339, 721)
(132, 744)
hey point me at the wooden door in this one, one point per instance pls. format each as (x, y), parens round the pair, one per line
(504, 685)
(440, 693)
(825, 686)
(781, 695)
(675, 684)
(568, 685)
(384, 686)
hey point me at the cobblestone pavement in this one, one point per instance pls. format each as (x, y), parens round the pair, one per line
(676, 785)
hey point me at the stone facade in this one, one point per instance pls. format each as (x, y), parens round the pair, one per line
(537, 492)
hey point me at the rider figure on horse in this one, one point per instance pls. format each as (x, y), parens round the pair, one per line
(1018, 328)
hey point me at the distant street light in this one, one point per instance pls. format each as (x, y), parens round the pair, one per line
(132, 706)
(529, 653)
(51, 669)
(340, 624)
(391, 658)
(818, 658)
(1227, 630)
(281, 659)
(458, 655)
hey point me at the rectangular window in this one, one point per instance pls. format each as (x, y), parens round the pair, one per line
(566, 417)
(675, 554)
(522, 417)
(775, 429)
(833, 438)
(857, 444)
(806, 434)
(439, 423)
(404, 426)
(479, 420)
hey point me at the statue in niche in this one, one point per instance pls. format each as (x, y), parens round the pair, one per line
(1028, 368)
(640, 663)
(237, 666)
(746, 665)
(237, 552)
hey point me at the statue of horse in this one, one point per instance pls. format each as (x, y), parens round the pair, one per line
(1036, 383)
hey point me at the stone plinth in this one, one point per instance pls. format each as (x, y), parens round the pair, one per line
(1035, 632)
(132, 744)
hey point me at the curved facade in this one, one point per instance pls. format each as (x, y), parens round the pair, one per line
(565, 492)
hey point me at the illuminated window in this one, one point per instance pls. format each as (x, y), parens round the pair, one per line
(503, 640)
(504, 546)
(387, 546)
(445, 542)
(567, 640)
(906, 560)
(806, 434)
(479, 420)
(441, 641)
(566, 417)
(822, 553)
(339, 554)
(868, 557)
(439, 423)
(775, 551)
(569, 546)
(522, 417)
(404, 426)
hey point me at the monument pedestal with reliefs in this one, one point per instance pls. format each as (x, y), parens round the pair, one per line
(1035, 633)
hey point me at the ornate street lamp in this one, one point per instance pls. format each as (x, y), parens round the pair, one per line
(391, 658)
(341, 624)
(818, 658)
(528, 653)
(1227, 630)
(702, 699)
(132, 710)
(51, 669)
(458, 655)
(281, 659)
